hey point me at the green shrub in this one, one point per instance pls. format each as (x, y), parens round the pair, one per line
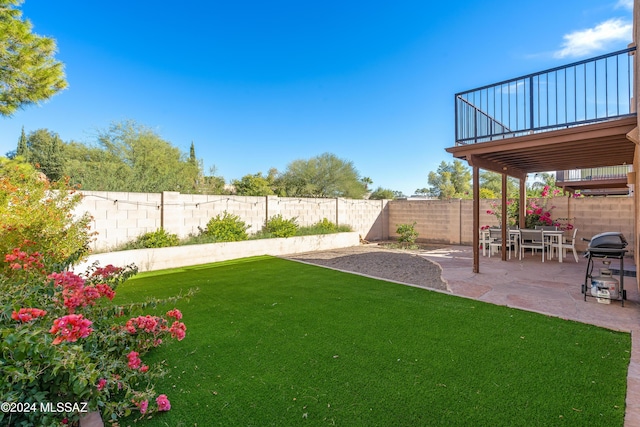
(322, 227)
(37, 213)
(277, 226)
(325, 226)
(155, 239)
(227, 228)
(408, 234)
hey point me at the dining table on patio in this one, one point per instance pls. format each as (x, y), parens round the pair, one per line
(552, 237)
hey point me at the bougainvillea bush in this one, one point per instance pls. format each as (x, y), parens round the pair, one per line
(538, 211)
(65, 348)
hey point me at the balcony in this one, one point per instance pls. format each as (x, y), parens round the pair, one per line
(605, 181)
(571, 117)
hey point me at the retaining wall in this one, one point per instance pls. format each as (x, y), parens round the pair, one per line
(183, 256)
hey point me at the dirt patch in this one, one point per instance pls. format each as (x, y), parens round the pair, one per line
(378, 260)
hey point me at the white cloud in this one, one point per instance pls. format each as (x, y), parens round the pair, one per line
(624, 4)
(586, 42)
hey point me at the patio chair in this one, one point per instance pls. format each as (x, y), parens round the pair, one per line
(531, 239)
(547, 241)
(495, 240)
(570, 245)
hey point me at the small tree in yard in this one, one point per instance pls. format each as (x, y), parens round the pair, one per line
(408, 234)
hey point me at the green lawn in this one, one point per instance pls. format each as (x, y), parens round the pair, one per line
(271, 342)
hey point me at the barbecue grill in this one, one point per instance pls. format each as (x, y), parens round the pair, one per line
(605, 287)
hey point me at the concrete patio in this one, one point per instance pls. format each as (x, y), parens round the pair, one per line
(550, 288)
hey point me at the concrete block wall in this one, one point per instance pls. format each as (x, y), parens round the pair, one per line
(121, 217)
(597, 215)
(437, 221)
(368, 217)
(451, 221)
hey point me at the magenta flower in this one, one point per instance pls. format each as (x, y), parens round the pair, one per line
(134, 360)
(163, 403)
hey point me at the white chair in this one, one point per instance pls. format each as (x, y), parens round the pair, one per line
(547, 239)
(570, 245)
(495, 240)
(531, 239)
(484, 241)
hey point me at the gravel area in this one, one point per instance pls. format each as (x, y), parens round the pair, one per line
(404, 266)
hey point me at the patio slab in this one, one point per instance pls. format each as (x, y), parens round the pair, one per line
(550, 288)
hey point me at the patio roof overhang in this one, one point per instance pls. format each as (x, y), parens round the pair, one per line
(586, 146)
(606, 143)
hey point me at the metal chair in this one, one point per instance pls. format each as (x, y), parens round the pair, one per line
(531, 239)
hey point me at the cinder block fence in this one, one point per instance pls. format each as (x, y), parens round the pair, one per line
(121, 217)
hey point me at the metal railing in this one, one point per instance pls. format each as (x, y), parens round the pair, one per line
(593, 174)
(583, 92)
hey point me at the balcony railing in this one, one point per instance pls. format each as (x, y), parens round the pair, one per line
(593, 174)
(584, 92)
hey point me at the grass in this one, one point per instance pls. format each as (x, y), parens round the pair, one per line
(271, 342)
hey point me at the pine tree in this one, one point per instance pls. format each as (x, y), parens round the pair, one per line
(22, 149)
(192, 154)
(28, 71)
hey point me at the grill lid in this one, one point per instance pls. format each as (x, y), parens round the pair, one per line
(608, 240)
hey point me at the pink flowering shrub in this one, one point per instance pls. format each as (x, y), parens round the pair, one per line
(537, 211)
(63, 340)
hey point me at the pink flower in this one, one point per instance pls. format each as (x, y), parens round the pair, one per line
(175, 313)
(24, 260)
(27, 314)
(134, 360)
(106, 272)
(105, 290)
(163, 403)
(102, 382)
(70, 328)
(177, 330)
(144, 405)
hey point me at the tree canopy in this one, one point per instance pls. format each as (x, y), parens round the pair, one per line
(44, 151)
(325, 175)
(383, 193)
(450, 180)
(253, 185)
(28, 71)
(131, 157)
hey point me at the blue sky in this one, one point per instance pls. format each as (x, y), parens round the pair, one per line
(256, 84)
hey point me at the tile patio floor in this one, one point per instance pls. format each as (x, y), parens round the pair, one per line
(549, 288)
